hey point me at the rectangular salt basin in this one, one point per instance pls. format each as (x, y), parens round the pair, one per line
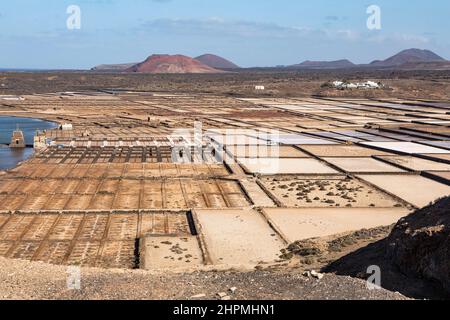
(336, 136)
(362, 165)
(238, 237)
(440, 175)
(238, 140)
(270, 166)
(417, 164)
(406, 147)
(292, 139)
(306, 223)
(158, 252)
(342, 151)
(362, 135)
(263, 151)
(439, 144)
(442, 157)
(417, 190)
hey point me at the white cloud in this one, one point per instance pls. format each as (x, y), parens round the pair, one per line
(219, 27)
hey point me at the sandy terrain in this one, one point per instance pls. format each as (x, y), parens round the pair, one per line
(24, 280)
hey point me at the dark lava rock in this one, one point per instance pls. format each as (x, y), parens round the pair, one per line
(419, 245)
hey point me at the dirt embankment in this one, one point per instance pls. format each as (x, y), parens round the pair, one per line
(414, 258)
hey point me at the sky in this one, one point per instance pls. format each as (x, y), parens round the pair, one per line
(34, 33)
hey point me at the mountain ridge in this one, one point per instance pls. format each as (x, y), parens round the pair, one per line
(216, 62)
(308, 64)
(164, 63)
(408, 56)
(409, 59)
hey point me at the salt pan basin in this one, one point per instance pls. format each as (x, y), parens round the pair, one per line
(417, 164)
(293, 139)
(360, 165)
(406, 147)
(306, 223)
(265, 151)
(270, 166)
(158, 252)
(238, 237)
(417, 190)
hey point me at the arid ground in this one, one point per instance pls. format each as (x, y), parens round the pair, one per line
(186, 186)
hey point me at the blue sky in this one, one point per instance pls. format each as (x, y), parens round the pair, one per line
(33, 33)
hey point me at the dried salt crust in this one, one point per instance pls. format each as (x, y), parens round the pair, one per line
(406, 147)
(360, 165)
(305, 223)
(417, 190)
(238, 237)
(272, 166)
(417, 164)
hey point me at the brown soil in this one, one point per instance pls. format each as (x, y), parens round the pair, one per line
(404, 84)
(24, 280)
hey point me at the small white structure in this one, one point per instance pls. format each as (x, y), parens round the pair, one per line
(358, 85)
(12, 98)
(260, 88)
(371, 84)
(66, 127)
(40, 140)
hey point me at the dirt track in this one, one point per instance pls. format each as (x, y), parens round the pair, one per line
(24, 280)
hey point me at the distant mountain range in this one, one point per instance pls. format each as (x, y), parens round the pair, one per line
(438, 65)
(113, 67)
(338, 64)
(409, 56)
(410, 59)
(406, 59)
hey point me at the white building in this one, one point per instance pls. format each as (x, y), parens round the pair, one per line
(371, 84)
(12, 98)
(66, 127)
(358, 85)
(40, 140)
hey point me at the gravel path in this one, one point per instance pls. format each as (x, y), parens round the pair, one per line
(25, 280)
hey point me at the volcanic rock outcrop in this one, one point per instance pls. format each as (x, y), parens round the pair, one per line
(159, 63)
(419, 245)
(216, 62)
(408, 56)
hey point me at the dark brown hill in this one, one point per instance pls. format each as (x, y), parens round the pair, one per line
(164, 63)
